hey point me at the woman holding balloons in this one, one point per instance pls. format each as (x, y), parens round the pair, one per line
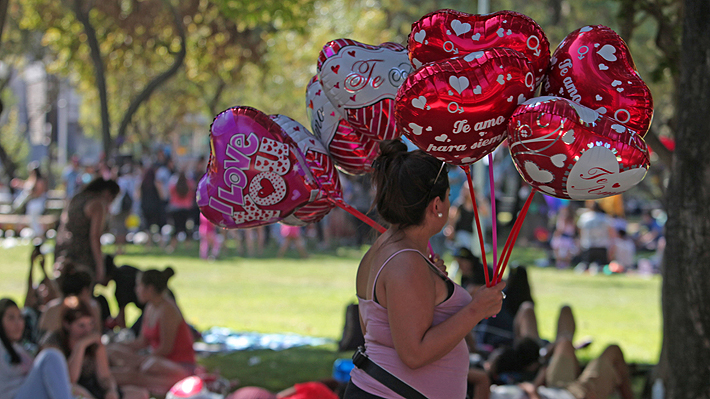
(414, 317)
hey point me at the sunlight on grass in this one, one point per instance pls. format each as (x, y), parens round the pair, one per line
(308, 297)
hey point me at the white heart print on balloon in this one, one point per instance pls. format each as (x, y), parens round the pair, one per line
(569, 151)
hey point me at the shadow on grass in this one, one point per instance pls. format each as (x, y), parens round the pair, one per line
(276, 370)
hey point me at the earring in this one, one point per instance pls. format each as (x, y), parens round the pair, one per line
(439, 214)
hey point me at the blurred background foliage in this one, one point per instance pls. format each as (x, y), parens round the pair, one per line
(262, 54)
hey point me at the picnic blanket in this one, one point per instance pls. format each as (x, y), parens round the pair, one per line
(221, 340)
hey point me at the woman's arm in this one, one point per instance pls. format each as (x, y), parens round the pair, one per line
(169, 323)
(76, 357)
(31, 300)
(410, 297)
(103, 372)
(137, 344)
(96, 213)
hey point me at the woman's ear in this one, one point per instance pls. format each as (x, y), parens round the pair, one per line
(437, 207)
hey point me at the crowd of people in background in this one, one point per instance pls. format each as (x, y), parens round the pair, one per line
(152, 203)
(155, 205)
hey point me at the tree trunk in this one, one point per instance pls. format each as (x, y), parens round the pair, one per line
(686, 271)
(3, 15)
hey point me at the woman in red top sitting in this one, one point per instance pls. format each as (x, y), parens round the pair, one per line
(162, 354)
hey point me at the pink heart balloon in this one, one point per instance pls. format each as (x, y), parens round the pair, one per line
(593, 66)
(457, 109)
(320, 166)
(569, 151)
(448, 33)
(361, 81)
(351, 151)
(255, 174)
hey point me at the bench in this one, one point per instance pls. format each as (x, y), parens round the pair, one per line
(18, 222)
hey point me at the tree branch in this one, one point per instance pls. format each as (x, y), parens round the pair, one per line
(158, 80)
(99, 70)
(216, 97)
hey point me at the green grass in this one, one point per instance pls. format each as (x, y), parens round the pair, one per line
(308, 297)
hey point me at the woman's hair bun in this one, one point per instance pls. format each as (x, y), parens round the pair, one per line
(392, 147)
(168, 272)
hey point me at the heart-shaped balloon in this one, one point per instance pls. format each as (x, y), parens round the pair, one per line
(255, 174)
(457, 109)
(593, 66)
(361, 81)
(351, 151)
(569, 151)
(448, 33)
(320, 166)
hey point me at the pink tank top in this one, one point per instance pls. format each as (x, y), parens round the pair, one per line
(442, 379)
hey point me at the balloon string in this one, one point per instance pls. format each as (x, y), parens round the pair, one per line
(358, 214)
(369, 221)
(467, 170)
(512, 237)
(494, 218)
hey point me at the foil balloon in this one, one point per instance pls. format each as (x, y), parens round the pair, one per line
(362, 81)
(457, 109)
(351, 151)
(593, 66)
(321, 168)
(256, 175)
(448, 33)
(570, 151)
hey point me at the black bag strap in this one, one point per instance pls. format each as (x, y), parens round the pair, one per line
(363, 362)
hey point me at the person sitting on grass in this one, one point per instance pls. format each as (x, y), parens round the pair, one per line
(164, 333)
(87, 361)
(21, 376)
(72, 282)
(37, 296)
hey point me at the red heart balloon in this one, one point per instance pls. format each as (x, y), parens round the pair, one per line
(351, 151)
(448, 33)
(255, 174)
(593, 66)
(569, 151)
(320, 166)
(457, 109)
(362, 81)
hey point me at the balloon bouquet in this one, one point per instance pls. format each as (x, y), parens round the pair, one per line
(464, 84)
(269, 168)
(474, 88)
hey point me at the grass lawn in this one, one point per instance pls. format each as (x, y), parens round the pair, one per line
(308, 297)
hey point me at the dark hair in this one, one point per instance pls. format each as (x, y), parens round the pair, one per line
(517, 289)
(406, 182)
(479, 275)
(181, 187)
(73, 309)
(74, 281)
(516, 359)
(100, 184)
(148, 181)
(157, 278)
(37, 172)
(6, 303)
(110, 266)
